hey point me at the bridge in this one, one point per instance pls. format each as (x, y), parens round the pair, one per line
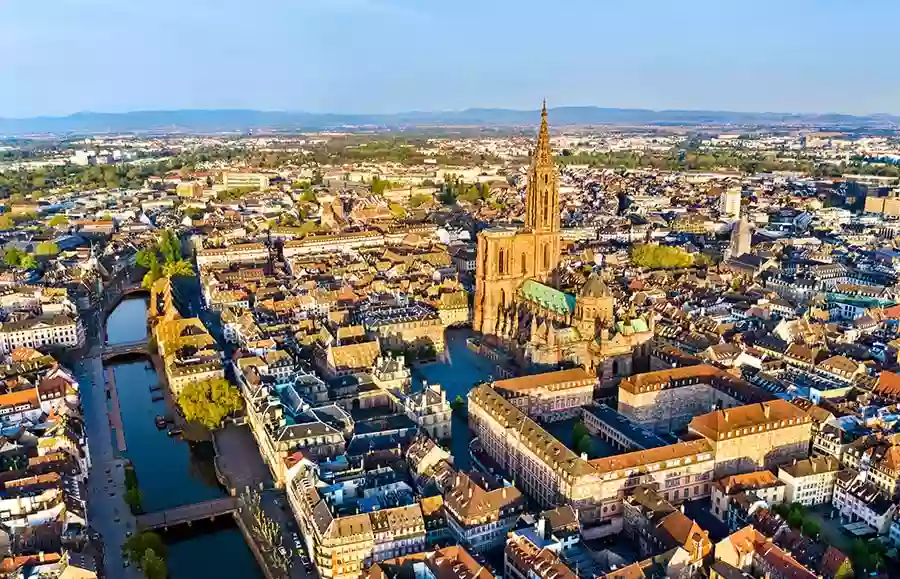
(188, 513)
(109, 351)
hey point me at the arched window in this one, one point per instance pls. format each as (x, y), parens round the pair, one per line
(547, 256)
(502, 299)
(502, 262)
(524, 266)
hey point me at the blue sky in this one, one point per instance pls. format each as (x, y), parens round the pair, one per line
(373, 56)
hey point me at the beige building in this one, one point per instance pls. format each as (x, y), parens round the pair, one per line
(549, 396)
(235, 253)
(232, 179)
(479, 517)
(754, 436)
(546, 470)
(667, 400)
(342, 547)
(810, 482)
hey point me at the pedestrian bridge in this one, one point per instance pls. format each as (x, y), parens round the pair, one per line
(188, 513)
(112, 350)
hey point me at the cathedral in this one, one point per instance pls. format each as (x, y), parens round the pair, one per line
(517, 302)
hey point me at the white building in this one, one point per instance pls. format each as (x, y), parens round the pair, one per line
(45, 332)
(810, 481)
(859, 501)
(730, 203)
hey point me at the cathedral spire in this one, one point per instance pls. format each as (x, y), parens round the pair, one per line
(542, 196)
(543, 154)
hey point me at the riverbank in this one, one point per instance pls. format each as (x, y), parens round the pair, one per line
(171, 471)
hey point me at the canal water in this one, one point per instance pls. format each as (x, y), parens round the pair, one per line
(170, 471)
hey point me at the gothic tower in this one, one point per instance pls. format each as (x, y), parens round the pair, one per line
(542, 196)
(507, 257)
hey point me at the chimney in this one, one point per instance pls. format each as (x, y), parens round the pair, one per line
(815, 466)
(584, 456)
(503, 492)
(766, 410)
(726, 415)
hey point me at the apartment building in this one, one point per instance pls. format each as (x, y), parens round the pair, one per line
(549, 396)
(57, 331)
(333, 242)
(810, 481)
(654, 526)
(667, 400)
(342, 547)
(233, 179)
(761, 484)
(235, 253)
(877, 458)
(479, 516)
(858, 501)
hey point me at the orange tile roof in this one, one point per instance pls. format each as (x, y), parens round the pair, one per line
(742, 420)
(888, 384)
(650, 456)
(544, 380)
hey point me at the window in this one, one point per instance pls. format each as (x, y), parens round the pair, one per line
(501, 262)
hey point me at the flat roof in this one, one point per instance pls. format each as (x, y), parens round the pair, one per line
(638, 435)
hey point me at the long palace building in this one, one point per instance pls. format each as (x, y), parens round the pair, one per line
(755, 432)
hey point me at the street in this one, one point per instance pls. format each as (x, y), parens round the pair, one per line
(274, 503)
(108, 514)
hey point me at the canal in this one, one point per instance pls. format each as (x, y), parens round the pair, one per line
(170, 471)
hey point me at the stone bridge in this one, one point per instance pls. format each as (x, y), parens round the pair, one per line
(109, 351)
(188, 513)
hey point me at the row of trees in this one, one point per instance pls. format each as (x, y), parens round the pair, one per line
(209, 402)
(133, 497)
(148, 552)
(266, 531)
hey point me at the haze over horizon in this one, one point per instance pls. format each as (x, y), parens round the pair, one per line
(390, 56)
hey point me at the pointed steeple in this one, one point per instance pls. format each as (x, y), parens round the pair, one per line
(542, 154)
(542, 196)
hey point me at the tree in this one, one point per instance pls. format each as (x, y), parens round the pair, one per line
(137, 545)
(169, 246)
(397, 210)
(660, 256)
(180, 268)
(418, 200)
(46, 249)
(209, 402)
(811, 528)
(133, 499)
(28, 262)
(153, 566)
(6, 222)
(581, 438)
(58, 220)
(13, 256)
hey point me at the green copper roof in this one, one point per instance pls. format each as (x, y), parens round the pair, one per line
(547, 297)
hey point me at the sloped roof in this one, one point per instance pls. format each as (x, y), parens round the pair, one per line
(548, 297)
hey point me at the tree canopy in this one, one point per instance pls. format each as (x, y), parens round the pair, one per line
(660, 256)
(46, 248)
(137, 545)
(13, 256)
(58, 220)
(209, 402)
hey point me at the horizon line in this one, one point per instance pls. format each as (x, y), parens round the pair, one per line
(443, 111)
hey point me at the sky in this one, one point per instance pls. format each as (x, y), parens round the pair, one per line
(58, 57)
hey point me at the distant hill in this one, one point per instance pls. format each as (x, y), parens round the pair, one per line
(214, 121)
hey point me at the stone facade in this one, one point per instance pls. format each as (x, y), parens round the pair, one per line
(667, 400)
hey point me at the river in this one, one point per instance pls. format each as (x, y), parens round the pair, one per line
(170, 471)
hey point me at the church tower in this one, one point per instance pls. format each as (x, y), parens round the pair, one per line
(506, 257)
(542, 195)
